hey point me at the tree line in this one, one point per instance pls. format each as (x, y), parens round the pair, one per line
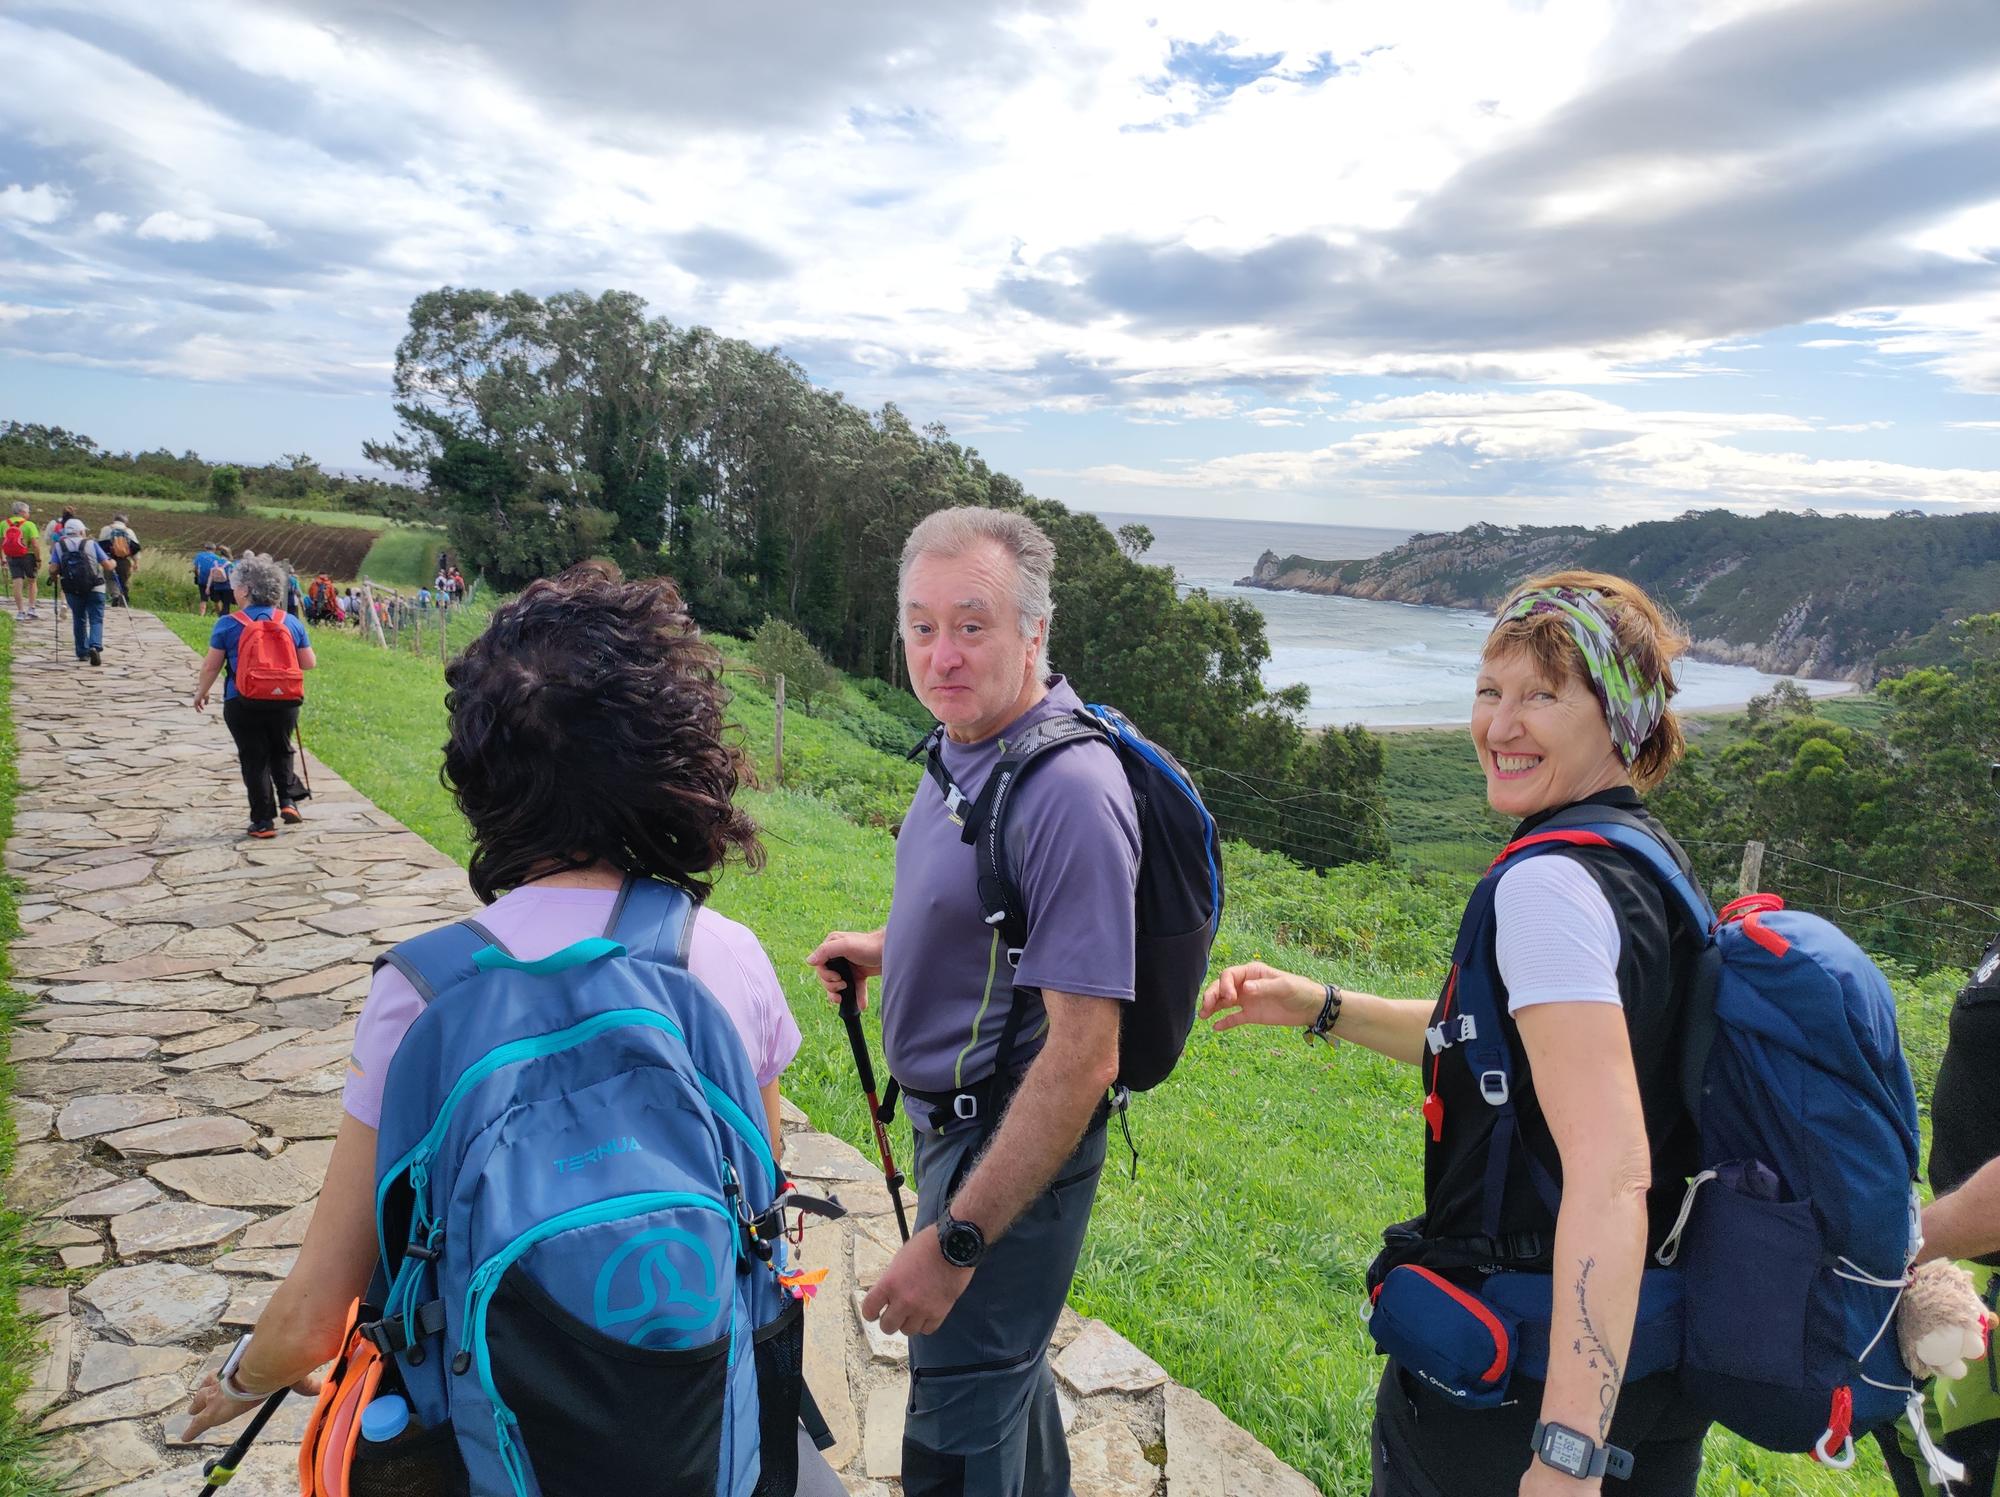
(551, 429)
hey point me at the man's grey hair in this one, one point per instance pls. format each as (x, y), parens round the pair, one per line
(262, 577)
(953, 532)
(21, 507)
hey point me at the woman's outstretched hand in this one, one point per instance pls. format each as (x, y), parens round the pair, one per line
(1257, 993)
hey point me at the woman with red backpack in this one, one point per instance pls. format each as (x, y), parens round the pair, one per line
(265, 652)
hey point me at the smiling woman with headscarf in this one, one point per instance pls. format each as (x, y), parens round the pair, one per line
(1587, 968)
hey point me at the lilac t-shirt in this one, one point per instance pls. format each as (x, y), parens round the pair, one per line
(1073, 837)
(536, 921)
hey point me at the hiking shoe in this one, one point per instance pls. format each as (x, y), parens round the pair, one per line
(31, 615)
(291, 814)
(263, 830)
(96, 656)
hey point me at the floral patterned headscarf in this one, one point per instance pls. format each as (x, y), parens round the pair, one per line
(1632, 706)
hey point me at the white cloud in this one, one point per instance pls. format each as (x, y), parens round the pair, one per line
(40, 204)
(177, 228)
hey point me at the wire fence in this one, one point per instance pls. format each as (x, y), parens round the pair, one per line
(1923, 928)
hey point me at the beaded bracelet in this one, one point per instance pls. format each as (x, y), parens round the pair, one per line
(1329, 1015)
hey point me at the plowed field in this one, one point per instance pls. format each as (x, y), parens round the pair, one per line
(333, 549)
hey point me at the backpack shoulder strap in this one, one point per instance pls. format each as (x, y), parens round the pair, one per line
(654, 921)
(1607, 826)
(439, 958)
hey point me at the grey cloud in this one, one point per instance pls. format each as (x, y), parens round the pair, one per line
(1793, 220)
(719, 254)
(731, 65)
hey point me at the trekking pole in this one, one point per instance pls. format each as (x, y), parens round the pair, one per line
(218, 1469)
(299, 742)
(850, 1015)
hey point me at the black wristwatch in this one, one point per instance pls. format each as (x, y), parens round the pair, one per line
(1578, 1455)
(962, 1244)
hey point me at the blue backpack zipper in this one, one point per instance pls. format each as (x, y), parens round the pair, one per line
(485, 1281)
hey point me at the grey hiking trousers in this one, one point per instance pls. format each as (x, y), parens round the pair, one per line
(983, 1419)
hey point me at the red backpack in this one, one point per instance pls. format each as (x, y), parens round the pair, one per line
(267, 662)
(16, 543)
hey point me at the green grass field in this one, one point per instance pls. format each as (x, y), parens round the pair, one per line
(1269, 1167)
(20, 1343)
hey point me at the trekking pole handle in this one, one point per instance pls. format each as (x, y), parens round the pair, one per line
(217, 1470)
(850, 992)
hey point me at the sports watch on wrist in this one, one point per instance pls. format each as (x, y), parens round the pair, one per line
(962, 1243)
(1576, 1454)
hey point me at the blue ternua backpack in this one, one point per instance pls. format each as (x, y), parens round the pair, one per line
(576, 1206)
(1776, 1292)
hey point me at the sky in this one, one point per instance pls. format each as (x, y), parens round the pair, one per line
(1409, 263)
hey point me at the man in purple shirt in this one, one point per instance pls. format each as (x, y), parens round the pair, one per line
(1019, 1048)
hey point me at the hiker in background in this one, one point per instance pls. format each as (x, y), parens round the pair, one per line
(423, 598)
(1962, 1222)
(553, 849)
(264, 657)
(78, 565)
(211, 580)
(1570, 708)
(21, 543)
(295, 598)
(121, 543)
(1027, 1062)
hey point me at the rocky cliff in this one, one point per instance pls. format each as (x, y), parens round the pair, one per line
(1843, 597)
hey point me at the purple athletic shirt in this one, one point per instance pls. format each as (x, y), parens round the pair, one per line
(536, 921)
(1074, 842)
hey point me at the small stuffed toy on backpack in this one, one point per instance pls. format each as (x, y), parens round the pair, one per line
(1941, 1325)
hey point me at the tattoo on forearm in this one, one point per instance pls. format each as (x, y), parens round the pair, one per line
(1592, 1346)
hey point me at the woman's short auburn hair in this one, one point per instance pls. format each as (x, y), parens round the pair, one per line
(586, 724)
(1647, 634)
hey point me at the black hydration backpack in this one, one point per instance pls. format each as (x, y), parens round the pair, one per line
(76, 567)
(1180, 876)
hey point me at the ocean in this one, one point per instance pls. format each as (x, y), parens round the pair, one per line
(1378, 664)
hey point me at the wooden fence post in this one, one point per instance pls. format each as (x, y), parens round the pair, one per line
(778, 733)
(1753, 868)
(374, 619)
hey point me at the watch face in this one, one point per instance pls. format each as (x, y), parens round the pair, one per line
(1566, 1450)
(961, 1244)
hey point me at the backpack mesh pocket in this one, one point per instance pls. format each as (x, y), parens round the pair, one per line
(781, 1349)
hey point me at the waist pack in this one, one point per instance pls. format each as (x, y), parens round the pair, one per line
(1796, 1235)
(580, 1219)
(1179, 899)
(267, 660)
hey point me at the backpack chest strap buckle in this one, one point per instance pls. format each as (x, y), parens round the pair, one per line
(1442, 1035)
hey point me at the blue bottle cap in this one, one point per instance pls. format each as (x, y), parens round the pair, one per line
(385, 1418)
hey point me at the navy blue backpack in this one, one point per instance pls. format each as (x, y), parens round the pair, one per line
(578, 1211)
(1179, 896)
(1776, 1292)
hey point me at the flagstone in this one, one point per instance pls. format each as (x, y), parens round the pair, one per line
(160, 1024)
(215, 1089)
(32, 1120)
(57, 1234)
(1100, 1360)
(174, 1226)
(210, 1039)
(293, 1062)
(198, 860)
(314, 983)
(153, 964)
(101, 1456)
(110, 1047)
(296, 1117)
(109, 1363)
(133, 1400)
(248, 1302)
(270, 932)
(155, 1303)
(322, 1083)
(310, 952)
(178, 1136)
(33, 1044)
(210, 993)
(236, 1053)
(49, 1172)
(85, 1117)
(247, 1180)
(113, 1200)
(111, 876)
(310, 1013)
(221, 941)
(63, 930)
(48, 1379)
(83, 1256)
(286, 1229)
(41, 1301)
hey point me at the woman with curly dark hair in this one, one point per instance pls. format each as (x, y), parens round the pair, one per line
(586, 749)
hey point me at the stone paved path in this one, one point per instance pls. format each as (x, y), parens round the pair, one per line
(179, 1084)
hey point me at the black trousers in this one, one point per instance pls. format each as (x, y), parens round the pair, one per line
(263, 734)
(1425, 1446)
